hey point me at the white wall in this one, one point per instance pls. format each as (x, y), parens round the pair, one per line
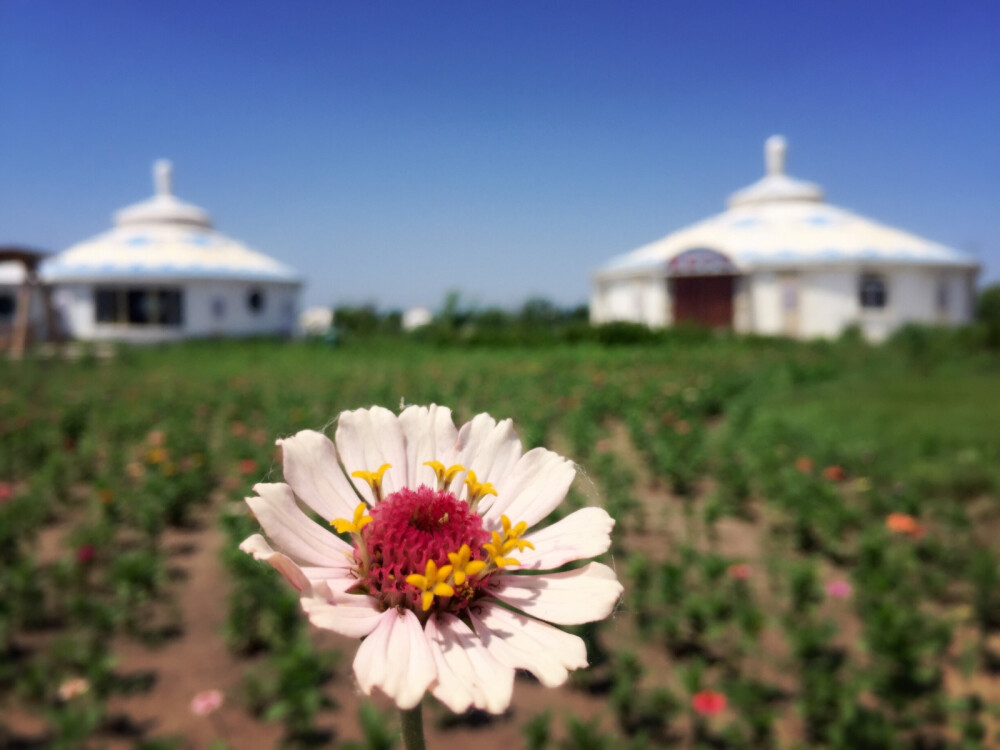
(765, 303)
(828, 302)
(74, 303)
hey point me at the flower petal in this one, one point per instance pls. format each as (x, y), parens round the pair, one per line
(396, 658)
(582, 534)
(311, 468)
(467, 674)
(487, 447)
(293, 532)
(533, 488)
(353, 615)
(257, 546)
(368, 438)
(525, 643)
(430, 436)
(576, 596)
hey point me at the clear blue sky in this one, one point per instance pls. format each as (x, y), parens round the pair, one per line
(392, 151)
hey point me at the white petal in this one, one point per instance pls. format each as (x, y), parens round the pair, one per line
(576, 596)
(257, 546)
(430, 436)
(524, 643)
(487, 447)
(311, 468)
(396, 658)
(467, 674)
(293, 532)
(336, 580)
(353, 615)
(368, 438)
(537, 484)
(582, 534)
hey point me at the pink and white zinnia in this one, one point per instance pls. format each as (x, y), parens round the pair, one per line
(442, 575)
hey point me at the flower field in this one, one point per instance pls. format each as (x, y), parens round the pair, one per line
(807, 536)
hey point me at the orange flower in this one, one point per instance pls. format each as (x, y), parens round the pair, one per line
(834, 473)
(156, 455)
(903, 523)
(804, 464)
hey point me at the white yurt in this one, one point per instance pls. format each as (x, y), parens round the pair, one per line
(781, 260)
(164, 273)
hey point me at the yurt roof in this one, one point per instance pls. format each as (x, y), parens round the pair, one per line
(164, 238)
(781, 221)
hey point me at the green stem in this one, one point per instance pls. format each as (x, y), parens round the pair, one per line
(412, 721)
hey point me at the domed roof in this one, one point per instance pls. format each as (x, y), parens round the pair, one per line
(781, 221)
(164, 238)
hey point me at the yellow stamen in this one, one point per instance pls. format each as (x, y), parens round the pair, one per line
(511, 536)
(359, 522)
(432, 583)
(444, 476)
(496, 553)
(463, 566)
(503, 544)
(374, 479)
(477, 490)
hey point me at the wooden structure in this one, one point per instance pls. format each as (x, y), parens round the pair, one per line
(17, 337)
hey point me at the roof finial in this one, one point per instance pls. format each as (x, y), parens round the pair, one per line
(163, 177)
(775, 149)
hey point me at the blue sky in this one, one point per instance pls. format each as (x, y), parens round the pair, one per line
(392, 151)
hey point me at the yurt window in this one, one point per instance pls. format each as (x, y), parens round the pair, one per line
(6, 306)
(255, 301)
(942, 297)
(872, 291)
(139, 306)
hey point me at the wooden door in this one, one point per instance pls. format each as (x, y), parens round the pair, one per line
(704, 300)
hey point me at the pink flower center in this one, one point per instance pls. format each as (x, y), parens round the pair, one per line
(410, 527)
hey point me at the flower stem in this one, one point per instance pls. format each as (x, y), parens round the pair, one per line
(412, 720)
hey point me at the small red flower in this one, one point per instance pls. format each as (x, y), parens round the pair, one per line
(6, 491)
(804, 464)
(740, 571)
(248, 466)
(708, 703)
(834, 473)
(85, 553)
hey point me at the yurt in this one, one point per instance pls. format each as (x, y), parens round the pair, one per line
(164, 273)
(781, 260)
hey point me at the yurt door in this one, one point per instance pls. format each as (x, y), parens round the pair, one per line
(704, 300)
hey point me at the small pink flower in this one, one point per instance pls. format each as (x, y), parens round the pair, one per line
(838, 589)
(6, 491)
(72, 688)
(740, 571)
(85, 553)
(207, 702)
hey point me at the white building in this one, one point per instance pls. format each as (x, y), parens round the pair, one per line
(780, 260)
(163, 273)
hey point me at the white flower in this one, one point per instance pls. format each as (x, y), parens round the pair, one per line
(441, 576)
